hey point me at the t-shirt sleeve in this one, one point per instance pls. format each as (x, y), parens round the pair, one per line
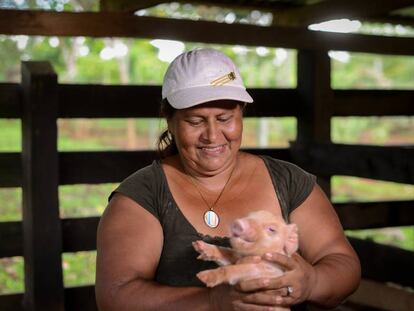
(293, 184)
(301, 184)
(141, 187)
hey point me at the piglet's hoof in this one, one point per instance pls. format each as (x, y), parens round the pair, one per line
(206, 251)
(209, 278)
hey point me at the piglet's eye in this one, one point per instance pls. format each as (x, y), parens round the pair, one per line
(271, 230)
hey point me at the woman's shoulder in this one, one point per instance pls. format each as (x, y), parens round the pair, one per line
(284, 168)
(152, 169)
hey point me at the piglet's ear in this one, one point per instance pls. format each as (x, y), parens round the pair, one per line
(292, 239)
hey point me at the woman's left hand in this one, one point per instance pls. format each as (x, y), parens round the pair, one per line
(293, 287)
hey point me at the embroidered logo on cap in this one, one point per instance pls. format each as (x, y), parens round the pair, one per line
(224, 79)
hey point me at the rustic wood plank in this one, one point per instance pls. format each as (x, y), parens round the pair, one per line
(11, 239)
(375, 214)
(80, 298)
(335, 9)
(76, 298)
(314, 87)
(373, 103)
(390, 163)
(113, 101)
(118, 24)
(314, 77)
(105, 167)
(11, 302)
(381, 296)
(11, 170)
(127, 5)
(10, 100)
(79, 234)
(41, 225)
(385, 263)
(96, 101)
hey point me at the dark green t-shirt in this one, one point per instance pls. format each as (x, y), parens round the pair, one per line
(178, 265)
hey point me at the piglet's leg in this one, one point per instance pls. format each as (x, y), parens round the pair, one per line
(231, 274)
(222, 256)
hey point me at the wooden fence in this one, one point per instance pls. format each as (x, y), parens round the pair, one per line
(39, 100)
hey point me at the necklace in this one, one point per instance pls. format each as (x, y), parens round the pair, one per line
(211, 218)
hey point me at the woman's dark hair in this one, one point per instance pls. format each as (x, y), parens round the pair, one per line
(166, 144)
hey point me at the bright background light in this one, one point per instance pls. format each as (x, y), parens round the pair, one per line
(337, 25)
(168, 49)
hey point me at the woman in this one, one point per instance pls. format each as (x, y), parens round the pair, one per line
(201, 184)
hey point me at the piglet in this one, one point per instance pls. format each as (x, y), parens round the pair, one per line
(259, 233)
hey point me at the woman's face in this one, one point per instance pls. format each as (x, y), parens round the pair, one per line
(208, 136)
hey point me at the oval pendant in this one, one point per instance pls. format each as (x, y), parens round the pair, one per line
(211, 219)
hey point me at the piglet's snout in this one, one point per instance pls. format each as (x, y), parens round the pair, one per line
(238, 228)
(241, 228)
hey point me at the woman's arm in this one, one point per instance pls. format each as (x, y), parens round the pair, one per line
(322, 243)
(327, 272)
(129, 245)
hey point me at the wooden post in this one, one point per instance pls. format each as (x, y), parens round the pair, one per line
(42, 240)
(314, 120)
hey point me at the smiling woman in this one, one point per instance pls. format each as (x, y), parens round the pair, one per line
(200, 184)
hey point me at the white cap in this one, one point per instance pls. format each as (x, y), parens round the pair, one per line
(200, 76)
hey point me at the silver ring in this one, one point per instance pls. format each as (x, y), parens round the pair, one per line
(289, 290)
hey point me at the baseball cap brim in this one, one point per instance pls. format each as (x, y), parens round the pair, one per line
(201, 94)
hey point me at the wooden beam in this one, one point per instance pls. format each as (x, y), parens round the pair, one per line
(391, 163)
(11, 302)
(375, 162)
(127, 5)
(116, 24)
(76, 298)
(100, 99)
(135, 5)
(373, 103)
(11, 239)
(80, 298)
(97, 101)
(382, 296)
(336, 9)
(383, 263)
(10, 100)
(314, 87)
(370, 215)
(11, 169)
(79, 234)
(97, 167)
(41, 225)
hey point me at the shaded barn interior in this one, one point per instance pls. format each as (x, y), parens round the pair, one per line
(39, 100)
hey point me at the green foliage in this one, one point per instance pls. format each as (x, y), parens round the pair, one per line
(78, 268)
(10, 135)
(11, 275)
(84, 200)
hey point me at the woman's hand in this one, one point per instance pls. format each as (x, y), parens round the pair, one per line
(299, 277)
